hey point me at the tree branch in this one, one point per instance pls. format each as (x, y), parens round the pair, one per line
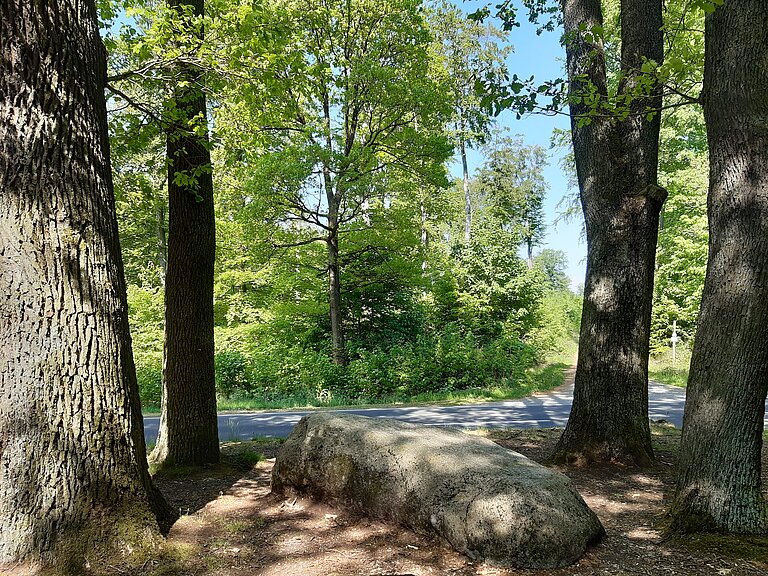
(137, 105)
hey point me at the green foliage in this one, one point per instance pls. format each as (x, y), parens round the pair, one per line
(150, 379)
(441, 362)
(446, 361)
(466, 50)
(350, 106)
(681, 258)
(380, 300)
(347, 137)
(552, 265)
(145, 310)
(628, 91)
(496, 292)
(559, 321)
(511, 189)
(278, 371)
(231, 373)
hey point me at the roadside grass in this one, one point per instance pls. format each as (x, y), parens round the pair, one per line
(550, 374)
(662, 369)
(536, 379)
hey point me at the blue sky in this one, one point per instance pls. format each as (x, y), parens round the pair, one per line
(541, 56)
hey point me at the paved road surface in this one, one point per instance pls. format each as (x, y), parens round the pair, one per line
(543, 410)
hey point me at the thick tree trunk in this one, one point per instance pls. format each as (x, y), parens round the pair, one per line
(188, 433)
(718, 484)
(616, 163)
(73, 472)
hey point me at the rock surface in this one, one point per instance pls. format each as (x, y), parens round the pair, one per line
(484, 500)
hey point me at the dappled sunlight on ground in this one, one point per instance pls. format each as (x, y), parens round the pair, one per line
(244, 530)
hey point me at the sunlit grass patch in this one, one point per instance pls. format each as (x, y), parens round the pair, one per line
(661, 367)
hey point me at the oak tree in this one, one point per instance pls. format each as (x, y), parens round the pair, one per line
(188, 433)
(616, 161)
(718, 481)
(73, 472)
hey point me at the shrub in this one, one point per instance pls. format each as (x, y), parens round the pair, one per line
(231, 373)
(438, 363)
(150, 379)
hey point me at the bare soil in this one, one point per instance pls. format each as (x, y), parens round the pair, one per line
(231, 525)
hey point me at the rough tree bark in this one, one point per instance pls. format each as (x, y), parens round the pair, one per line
(73, 471)
(616, 164)
(718, 483)
(188, 433)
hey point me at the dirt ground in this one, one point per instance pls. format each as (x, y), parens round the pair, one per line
(232, 526)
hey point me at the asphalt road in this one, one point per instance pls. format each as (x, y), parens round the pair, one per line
(545, 410)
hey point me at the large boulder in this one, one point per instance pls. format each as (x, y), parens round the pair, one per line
(484, 500)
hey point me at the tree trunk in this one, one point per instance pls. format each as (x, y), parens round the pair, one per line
(334, 298)
(529, 251)
(162, 241)
(73, 472)
(188, 433)
(424, 236)
(616, 164)
(334, 193)
(467, 196)
(718, 483)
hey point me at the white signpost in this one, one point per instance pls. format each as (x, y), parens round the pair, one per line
(674, 339)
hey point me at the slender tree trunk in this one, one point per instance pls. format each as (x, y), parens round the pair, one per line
(424, 236)
(334, 193)
(73, 472)
(338, 343)
(188, 433)
(617, 171)
(162, 241)
(467, 196)
(529, 248)
(718, 483)
(334, 299)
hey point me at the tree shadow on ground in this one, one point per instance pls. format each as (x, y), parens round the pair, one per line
(245, 530)
(189, 489)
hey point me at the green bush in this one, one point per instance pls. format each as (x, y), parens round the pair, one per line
(145, 309)
(231, 373)
(559, 321)
(441, 363)
(150, 379)
(279, 371)
(414, 354)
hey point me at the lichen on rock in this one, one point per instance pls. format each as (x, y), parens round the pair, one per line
(484, 500)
